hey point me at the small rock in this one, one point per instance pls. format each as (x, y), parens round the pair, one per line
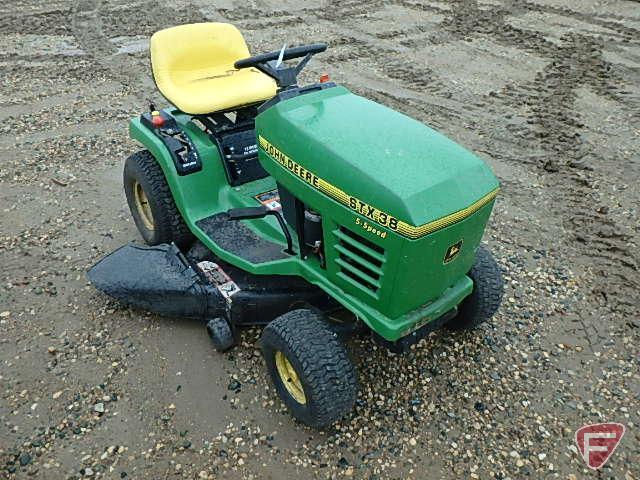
(56, 395)
(5, 314)
(542, 456)
(99, 407)
(24, 459)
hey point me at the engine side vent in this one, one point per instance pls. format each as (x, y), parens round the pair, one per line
(360, 261)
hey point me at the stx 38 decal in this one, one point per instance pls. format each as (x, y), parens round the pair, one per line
(381, 218)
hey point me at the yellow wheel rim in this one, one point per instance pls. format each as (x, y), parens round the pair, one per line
(142, 204)
(290, 378)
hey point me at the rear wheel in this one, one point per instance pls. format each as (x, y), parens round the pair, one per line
(309, 367)
(151, 203)
(486, 296)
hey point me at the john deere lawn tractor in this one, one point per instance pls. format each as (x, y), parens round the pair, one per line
(306, 209)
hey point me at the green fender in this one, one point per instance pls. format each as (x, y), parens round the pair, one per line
(207, 192)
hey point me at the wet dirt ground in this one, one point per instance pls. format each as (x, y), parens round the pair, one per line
(546, 91)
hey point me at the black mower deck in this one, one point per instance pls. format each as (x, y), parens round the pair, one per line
(164, 280)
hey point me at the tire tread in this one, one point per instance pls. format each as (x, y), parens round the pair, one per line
(169, 224)
(488, 288)
(329, 373)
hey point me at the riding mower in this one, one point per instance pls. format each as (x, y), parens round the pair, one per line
(309, 210)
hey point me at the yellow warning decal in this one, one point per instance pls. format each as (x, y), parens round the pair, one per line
(367, 210)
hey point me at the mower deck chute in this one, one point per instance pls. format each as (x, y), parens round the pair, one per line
(159, 279)
(163, 280)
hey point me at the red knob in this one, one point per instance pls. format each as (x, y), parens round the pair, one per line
(157, 121)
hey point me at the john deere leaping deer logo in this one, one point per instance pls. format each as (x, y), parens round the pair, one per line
(452, 252)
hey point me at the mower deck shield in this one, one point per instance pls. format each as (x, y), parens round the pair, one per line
(163, 280)
(159, 279)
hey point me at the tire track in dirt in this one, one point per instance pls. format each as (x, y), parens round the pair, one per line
(557, 129)
(50, 22)
(96, 23)
(629, 34)
(124, 18)
(401, 67)
(466, 20)
(554, 125)
(350, 43)
(88, 29)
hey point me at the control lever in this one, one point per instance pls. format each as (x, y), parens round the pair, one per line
(249, 213)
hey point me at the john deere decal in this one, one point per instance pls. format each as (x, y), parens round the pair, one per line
(369, 211)
(452, 252)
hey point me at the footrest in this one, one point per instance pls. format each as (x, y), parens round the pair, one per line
(238, 239)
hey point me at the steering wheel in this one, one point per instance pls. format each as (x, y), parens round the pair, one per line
(283, 75)
(288, 54)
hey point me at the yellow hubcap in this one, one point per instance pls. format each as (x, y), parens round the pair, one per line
(142, 204)
(290, 378)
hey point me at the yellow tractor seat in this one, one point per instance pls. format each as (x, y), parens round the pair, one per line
(193, 68)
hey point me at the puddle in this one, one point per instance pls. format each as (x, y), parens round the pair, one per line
(130, 44)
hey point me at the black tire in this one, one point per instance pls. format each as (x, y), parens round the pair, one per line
(220, 334)
(486, 296)
(143, 177)
(319, 360)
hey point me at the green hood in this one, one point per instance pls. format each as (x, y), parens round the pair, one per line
(376, 154)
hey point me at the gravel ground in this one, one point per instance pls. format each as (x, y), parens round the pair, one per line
(547, 91)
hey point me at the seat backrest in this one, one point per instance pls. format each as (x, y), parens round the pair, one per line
(194, 46)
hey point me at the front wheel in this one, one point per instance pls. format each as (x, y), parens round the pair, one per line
(485, 299)
(151, 203)
(220, 334)
(309, 367)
